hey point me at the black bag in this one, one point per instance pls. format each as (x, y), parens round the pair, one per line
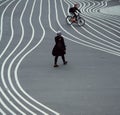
(54, 51)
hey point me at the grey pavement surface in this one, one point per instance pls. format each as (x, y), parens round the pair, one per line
(88, 85)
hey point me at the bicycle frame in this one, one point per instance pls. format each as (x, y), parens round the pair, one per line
(80, 21)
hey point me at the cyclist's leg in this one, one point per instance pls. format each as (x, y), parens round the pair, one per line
(75, 15)
(71, 14)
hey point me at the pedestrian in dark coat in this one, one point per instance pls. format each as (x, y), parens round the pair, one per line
(59, 49)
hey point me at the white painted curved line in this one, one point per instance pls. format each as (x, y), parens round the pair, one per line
(2, 17)
(114, 19)
(104, 4)
(83, 6)
(105, 35)
(3, 3)
(101, 38)
(2, 112)
(10, 66)
(98, 37)
(113, 39)
(98, 18)
(3, 70)
(107, 20)
(12, 31)
(25, 56)
(87, 18)
(3, 65)
(72, 26)
(89, 7)
(107, 31)
(17, 67)
(106, 17)
(95, 5)
(44, 112)
(101, 5)
(92, 45)
(104, 21)
(4, 105)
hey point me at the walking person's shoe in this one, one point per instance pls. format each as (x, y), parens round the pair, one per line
(65, 62)
(56, 65)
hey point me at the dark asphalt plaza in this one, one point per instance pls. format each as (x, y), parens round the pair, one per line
(88, 85)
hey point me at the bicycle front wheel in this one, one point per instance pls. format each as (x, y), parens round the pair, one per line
(68, 20)
(81, 22)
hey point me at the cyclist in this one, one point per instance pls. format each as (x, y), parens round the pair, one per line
(73, 10)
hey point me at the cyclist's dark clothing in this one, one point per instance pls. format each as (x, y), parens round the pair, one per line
(73, 10)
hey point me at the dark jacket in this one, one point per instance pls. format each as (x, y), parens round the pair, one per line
(59, 48)
(73, 10)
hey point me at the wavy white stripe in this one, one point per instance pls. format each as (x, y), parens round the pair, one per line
(10, 66)
(99, 37)
(9, 78)
(3, 66)
(2, 112)
(2, 17)
(17, 66)
(4, 105)
(3, 3)
(106, 44)
(93, 45)
(103, 40)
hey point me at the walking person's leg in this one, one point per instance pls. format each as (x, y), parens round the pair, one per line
(55, 61)
(63, 58)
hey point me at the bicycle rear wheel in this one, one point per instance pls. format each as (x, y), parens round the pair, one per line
(68, 20)
(81, 21)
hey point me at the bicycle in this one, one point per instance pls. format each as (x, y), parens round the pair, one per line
(71, 19)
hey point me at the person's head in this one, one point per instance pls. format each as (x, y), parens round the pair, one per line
(59, 33)
(76, 5)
